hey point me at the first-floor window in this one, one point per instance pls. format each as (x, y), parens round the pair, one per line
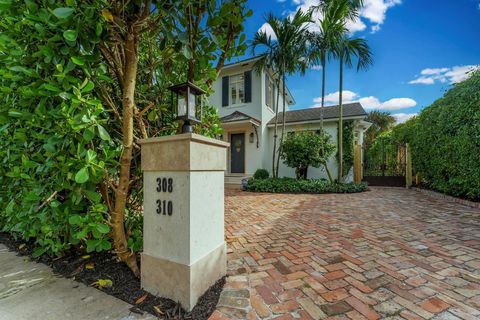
(237, 89)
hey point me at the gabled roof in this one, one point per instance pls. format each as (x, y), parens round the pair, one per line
(242, 61)
(238, 116)
(313, 114)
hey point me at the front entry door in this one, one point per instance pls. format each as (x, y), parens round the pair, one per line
(237, 153)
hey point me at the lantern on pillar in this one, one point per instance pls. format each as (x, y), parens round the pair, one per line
(187, 103)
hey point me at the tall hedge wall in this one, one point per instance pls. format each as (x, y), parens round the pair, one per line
(445, 141)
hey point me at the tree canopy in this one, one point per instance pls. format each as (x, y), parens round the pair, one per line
(80, 83)
(382, 121)
(303, 149)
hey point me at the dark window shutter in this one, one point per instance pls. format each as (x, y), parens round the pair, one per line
(248, 86)
(267, 85)
(225, 91)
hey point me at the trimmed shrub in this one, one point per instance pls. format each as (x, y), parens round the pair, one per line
(290, 185)
(445, 141)
(304, 149)
(261, 174)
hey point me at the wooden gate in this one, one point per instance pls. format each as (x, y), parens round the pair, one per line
(385, 164)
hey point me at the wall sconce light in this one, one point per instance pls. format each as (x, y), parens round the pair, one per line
(251, 137)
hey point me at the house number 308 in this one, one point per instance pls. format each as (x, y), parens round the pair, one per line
(164, 185)
(165, 206)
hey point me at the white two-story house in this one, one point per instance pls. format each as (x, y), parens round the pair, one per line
(246, 103)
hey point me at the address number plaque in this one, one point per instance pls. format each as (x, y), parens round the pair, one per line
(164, 186)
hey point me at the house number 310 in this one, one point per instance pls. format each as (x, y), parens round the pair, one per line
(165, 206)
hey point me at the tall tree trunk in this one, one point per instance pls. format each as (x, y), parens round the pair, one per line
(275, 130)
(340, 126)
(283, 121)
(329, 175)
(121, 193)
(323, 58)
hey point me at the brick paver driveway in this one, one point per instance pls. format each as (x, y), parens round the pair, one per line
(389, 253)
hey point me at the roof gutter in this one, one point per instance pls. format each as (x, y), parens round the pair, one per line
(318, 121)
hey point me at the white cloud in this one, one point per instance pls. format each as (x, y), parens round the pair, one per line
(374, 11)
(460, 73)
(369, 102)
(398, 103)
(402, 117)
(268, 30)
(332, 98)
(444, 75)
(427, 72)
(423, 80)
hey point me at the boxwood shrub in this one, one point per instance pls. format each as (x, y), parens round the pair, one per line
(261, 174)
(290, 185)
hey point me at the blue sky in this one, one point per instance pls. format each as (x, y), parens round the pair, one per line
(420, 48)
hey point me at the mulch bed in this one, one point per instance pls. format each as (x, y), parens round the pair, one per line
(89, 268)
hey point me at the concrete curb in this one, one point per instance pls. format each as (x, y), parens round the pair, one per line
(435, 194)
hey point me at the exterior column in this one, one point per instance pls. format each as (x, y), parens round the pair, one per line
(184, 250)
(408, 167)
(357, 163)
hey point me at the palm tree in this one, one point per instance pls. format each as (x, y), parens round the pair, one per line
(347, 50)
(285, 54)
(336, 14)
(331, 28)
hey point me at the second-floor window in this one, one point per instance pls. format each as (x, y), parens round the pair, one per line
(270, 95)
(237, 89)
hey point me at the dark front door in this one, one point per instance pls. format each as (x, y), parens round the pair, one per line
(237, 153)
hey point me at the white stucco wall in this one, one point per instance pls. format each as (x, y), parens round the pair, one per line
(316, 173)
(254, 157)
(261, 156)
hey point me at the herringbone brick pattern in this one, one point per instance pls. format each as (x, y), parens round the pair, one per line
(389, 253)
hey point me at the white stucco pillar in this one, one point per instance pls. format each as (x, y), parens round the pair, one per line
(184, 249)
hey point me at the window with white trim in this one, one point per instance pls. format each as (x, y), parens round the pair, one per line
(270, 94)
(237, 89)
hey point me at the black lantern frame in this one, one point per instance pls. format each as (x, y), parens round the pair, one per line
(188, 106)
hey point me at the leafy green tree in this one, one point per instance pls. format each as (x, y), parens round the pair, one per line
(303, 149)
(285, 54)
(80, 83)
(382, 121)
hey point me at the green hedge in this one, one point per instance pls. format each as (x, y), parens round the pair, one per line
(445, 141)
(290, 185)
